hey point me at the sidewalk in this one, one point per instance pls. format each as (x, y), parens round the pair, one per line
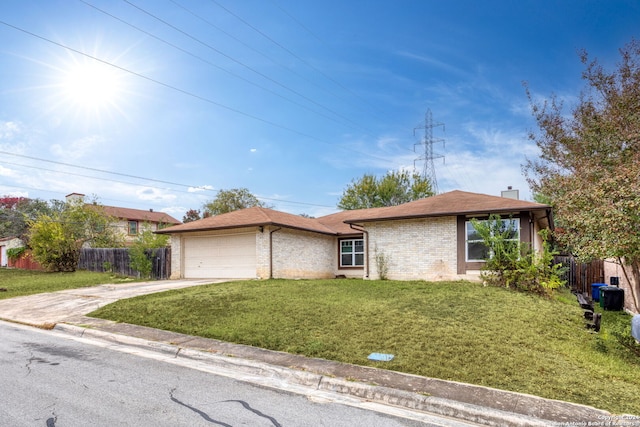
(65, 311)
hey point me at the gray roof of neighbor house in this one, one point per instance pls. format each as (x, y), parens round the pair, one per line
(340, 223)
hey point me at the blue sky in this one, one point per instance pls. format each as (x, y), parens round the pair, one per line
(161, 103)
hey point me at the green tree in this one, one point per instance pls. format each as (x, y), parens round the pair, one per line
(143, 249)
(15, 212)
(589, 162)
(191, 215)
(395, 188)
(56, 237)
(231, 200)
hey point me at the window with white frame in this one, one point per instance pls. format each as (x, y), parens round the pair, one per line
(477, 251)
(352, 253)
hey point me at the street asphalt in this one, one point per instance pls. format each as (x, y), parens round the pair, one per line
(65, 311)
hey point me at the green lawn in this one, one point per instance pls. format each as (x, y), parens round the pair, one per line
(451, 330)
(27, 282)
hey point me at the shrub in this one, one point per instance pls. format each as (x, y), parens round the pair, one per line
(143, 249)
(382, 264)
(514, 264)
(15, 253)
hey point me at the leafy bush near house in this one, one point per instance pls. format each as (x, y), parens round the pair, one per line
(143, 250)
(514, 264)
(56, 238)
(15, 253)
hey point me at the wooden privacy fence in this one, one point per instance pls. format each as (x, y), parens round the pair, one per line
(25, 262)
(116, 260)
(580, 275)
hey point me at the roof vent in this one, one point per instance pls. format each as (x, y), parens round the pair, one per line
(150, 210)
(510, 193)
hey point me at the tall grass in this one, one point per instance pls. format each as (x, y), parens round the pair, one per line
(450, 330)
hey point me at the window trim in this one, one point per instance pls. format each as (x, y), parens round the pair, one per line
(353, 254)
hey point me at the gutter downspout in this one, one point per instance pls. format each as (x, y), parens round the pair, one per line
(365, 232)
(271, 251)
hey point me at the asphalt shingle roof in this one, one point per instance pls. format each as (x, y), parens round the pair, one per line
(252, 217)
(451, 203)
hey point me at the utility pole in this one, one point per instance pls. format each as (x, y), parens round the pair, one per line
(428, 156)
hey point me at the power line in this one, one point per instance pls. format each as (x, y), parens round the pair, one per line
(307, 63)
(264, 55)
(297, 21)
(207, 45)
(92, 177)
(135, 177)
(182, 91)
(166, 85)
(193, 55)
(97, 170)
(174, 88)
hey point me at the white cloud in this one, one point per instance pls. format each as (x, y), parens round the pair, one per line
(13, 193)
(175, 211)
(8, 130)
(155, 195)
(431, 62)
(7, 172)
(77, 149)
(200, 188)
(488, 166)
(253, 150)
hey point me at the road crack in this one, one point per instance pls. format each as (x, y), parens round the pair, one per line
(255, 411)
(203, 414)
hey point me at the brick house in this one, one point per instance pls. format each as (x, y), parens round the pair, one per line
(427, 239)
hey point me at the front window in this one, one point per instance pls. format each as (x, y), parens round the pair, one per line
(477, 250)
(352, 253)
(133, 227)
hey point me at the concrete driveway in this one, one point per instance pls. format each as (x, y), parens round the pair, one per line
(45, 310)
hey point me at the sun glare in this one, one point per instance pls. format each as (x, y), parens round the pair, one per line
(92, 86)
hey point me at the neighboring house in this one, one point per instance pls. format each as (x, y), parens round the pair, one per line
(8, 243)
(427, 239)
(131, 221)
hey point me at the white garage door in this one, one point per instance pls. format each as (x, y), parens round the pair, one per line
(223, 257)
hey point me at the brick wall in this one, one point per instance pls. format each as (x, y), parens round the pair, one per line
(299, 255)
(176, 257)
(419, 249)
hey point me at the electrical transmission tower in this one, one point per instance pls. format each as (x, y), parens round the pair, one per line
(429, 170)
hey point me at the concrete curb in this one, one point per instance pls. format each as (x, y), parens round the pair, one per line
(265, 373)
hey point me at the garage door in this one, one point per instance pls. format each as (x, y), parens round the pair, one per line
(223, 257)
